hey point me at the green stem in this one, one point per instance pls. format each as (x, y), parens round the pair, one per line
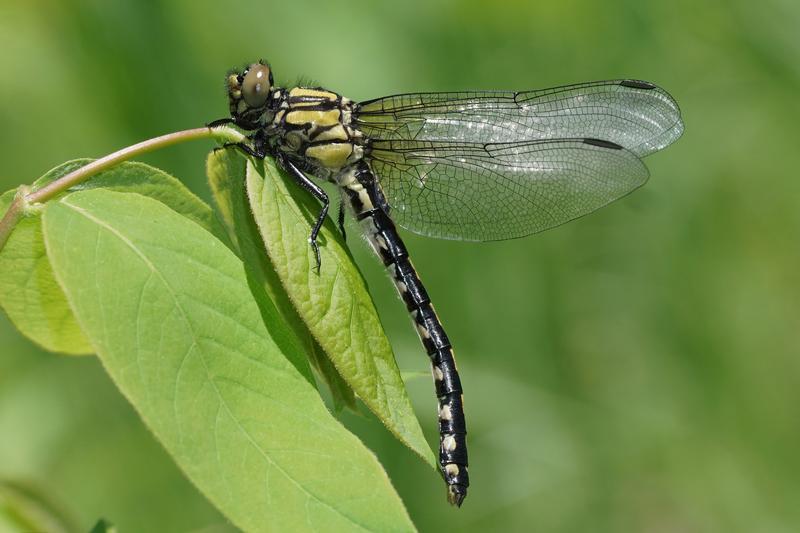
(25, 198)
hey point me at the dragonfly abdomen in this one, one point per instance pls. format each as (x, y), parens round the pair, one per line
(364, 195)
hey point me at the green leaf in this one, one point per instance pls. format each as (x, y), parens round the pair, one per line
(30, 295)
(334, 303)
(103, 526)
(226, 171)
(169, 310)
(28, 292)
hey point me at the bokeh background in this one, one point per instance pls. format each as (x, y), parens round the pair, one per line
(636, 370)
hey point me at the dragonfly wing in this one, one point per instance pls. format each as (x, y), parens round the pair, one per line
(634, 114)
(496, 191)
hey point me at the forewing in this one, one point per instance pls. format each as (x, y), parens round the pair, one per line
(485, 192)
(634, 114)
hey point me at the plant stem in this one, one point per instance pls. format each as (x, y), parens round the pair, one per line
(23, 200)
(10, 219)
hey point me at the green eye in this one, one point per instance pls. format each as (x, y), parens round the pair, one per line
(256, 85)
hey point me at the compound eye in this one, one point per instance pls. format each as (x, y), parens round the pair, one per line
(256, 85)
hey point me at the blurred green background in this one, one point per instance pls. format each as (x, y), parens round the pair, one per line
(636, 370)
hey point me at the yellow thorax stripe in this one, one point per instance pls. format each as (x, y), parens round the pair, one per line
(336, 133)
(313, 93)
(317, 118)
(333, 156)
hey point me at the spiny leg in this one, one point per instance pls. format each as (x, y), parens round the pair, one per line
(219, 122)
(318, 193)
(257, 150)
(340, 219)
(246, 148)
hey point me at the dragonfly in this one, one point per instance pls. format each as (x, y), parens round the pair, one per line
(470, 166)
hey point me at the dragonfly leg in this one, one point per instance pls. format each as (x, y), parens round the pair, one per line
(257, 147)
(219, 122)
(340, 219)
(247, 149)
(257, 150)
(318, 193)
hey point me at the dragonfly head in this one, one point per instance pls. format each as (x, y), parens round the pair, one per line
(250, 95)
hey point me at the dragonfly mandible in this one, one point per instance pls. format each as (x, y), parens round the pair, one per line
(473, 166)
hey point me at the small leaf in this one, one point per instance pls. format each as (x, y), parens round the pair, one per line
(30, 295)
(334, 303)
(103, 526)
(28, 292)
(226, 172)
(169, 310)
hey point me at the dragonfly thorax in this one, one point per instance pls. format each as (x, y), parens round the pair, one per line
(310, 125)
(314, 126)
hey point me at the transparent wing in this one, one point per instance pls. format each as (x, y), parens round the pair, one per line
(485, 192)
(634, 114)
